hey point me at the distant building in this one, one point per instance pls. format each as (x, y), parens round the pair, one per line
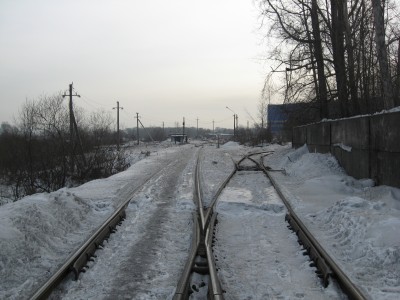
(179, 138)
(278, 114)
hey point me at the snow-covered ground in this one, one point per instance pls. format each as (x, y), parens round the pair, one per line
(355, 221)
(144, 258)
(258, 256)
(39, 232)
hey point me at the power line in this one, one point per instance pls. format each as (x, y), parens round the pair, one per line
(93, 103)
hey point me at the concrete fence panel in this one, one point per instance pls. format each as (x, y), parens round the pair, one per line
(366, 147)
(351, 132)
(319, 137)
(385, 132)
(299, 137)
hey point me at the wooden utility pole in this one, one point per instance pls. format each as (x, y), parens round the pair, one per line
(237, 124)
(213, 128)
(118, 108)
(146, 131)
(137, 127)
(183, 132)
(197, 133)
(234, 126)
(234, 123)
(72, 124)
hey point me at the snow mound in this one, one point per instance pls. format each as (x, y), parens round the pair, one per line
(33, 232)
(303, 165)
(357, 238)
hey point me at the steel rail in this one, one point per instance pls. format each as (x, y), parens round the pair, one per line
(352, 290)
(216, 291)
(45, 290)
(183, 284)
(181, 291)
(203, 244)
(199, 194)
(210, 210)
(87, 247)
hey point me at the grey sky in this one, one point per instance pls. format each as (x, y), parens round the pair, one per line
(163, 59)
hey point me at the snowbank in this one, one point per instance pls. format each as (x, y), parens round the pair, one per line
(356, 221)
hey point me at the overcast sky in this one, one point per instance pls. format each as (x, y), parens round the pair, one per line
(163, 59)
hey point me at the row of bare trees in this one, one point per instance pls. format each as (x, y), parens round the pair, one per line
(36, 154)
(340, 56)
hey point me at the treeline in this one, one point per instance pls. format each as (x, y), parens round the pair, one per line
(159, 134)
(38, 154)
(341, 57)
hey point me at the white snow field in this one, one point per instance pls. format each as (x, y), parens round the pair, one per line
(356, 222)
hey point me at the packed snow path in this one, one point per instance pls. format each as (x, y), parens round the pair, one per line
(146, 255)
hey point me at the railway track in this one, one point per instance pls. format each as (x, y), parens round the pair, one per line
(79, 259)
(202, 259)
(325, 264)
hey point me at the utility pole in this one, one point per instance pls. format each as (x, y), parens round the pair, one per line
(72, 122)
(137, 127)
(183, 132)
(118, 108)
(146, 131)
(213, 128)
(234, 127)
(234, 123)
(197, 133)
(237, 124)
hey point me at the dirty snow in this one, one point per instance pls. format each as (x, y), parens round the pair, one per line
(356, 222)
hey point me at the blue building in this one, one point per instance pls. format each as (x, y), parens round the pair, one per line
(278, 114)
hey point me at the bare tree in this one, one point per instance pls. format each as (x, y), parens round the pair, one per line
(335, 53)
(35, 158)
(382, 53)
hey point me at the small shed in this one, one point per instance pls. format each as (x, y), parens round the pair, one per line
(178, 138)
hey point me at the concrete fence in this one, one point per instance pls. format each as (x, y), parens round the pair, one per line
(366, 147)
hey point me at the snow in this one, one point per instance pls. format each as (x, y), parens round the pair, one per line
(354, 220)
(343, 147)
(384, 111)
(158, 240)
(231, 145)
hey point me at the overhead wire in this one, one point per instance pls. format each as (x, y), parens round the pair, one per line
(189, 122)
